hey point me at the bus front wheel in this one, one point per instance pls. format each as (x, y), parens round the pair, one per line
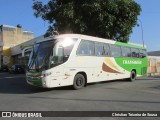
(79, 81)
(133, 76)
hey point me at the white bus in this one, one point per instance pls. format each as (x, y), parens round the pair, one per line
(74, 59)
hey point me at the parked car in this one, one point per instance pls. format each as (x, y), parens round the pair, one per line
(4, 68)
(16, 68)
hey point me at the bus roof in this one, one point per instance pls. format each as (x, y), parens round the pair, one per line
(134, 45)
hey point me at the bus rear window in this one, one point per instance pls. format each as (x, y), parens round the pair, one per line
(143, 53)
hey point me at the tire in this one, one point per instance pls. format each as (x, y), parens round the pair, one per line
(79, 81)
(133, 76)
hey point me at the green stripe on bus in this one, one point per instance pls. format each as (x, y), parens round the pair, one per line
(37, 83)
(140, 65)
(129, 45)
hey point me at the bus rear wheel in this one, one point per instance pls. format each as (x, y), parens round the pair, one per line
(133, 76)
(79, 81)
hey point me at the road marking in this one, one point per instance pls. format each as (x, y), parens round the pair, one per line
(12, 77)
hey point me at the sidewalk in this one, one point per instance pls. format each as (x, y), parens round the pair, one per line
(153, 74)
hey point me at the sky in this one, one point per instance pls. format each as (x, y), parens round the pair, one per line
(14, 12)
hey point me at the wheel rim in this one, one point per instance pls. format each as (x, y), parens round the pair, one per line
(79, 82)
(133, 76)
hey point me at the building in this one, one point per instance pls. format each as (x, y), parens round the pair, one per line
(16, 51)
(154, 53)
(11, 36)
(154, 63)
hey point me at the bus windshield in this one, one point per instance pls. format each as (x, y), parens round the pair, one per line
(49, 54)
(39, 56)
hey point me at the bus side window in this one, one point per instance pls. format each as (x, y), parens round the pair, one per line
(106, 49)
(82, 48)
(60, 55)
(91, 48)
(99, 51)
(67, 52)
(86, 48)
(135, 52)
(126, 51)
(115, 51)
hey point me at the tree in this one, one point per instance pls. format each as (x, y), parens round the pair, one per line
(112, 19)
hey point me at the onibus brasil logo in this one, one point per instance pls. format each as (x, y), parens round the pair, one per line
(21, 114)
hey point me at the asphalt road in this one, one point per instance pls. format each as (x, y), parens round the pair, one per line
(140, 95)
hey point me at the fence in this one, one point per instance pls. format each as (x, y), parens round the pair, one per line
(153, 65)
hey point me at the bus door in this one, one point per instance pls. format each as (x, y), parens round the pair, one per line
(57, 68)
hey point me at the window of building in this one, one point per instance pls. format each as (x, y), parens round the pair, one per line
(126, 52)
(135, 52)
(8, 29)
(27, 33)
(86, 48)
(115, 51)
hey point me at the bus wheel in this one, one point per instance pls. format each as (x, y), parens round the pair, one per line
(79, 81)
(133, 76)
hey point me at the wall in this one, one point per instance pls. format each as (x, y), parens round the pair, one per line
(153, 65)
(14, 35)
(11, 36)
(7, 59)
(16, 50)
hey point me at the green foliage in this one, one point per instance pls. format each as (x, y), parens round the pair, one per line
(112, 19)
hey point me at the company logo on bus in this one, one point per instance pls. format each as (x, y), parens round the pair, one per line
(132, 62)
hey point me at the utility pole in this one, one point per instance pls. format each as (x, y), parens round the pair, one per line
(142, 31)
